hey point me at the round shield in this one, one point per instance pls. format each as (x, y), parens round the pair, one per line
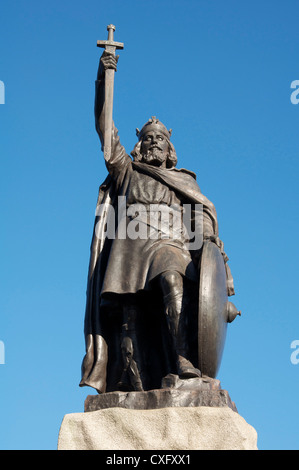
(212, 309)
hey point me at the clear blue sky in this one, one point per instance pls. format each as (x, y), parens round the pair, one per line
(219, 74)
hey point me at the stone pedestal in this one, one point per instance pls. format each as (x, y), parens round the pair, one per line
(193, 428)
(193, 414)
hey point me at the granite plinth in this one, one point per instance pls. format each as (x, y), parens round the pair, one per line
(192, 428)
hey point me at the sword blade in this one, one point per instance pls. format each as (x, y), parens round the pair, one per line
(109, 89)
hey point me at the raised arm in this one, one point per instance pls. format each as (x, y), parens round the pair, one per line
(107, 61)
(118, 156)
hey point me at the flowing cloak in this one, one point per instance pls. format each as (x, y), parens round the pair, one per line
(94, 365)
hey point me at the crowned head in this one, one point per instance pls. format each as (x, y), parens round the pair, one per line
(154, 146)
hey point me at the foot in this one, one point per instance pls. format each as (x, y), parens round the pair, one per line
(186, 370)
(124, 386)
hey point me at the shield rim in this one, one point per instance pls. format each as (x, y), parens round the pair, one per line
(212, 310)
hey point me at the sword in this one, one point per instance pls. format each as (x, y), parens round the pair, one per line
(110, 46)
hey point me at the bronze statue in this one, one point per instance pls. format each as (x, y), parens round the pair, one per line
(156, 301)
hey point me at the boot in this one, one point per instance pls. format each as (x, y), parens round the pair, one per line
(177, 326)
(130, 378)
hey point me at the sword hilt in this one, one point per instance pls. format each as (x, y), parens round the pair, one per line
(110, 45)
(110, 29)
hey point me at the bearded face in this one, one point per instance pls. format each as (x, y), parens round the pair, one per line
(154, 148)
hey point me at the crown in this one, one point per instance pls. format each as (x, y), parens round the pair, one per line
(153, 124)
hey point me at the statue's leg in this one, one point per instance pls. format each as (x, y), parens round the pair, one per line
(130, 377)
(173, 290)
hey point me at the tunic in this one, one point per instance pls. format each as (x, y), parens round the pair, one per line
(154, 243)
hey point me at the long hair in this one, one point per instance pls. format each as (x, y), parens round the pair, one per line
(171, 160)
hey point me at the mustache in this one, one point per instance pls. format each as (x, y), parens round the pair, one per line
(155, 149)
(150, 154)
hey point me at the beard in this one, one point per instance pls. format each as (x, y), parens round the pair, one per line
(154, 156)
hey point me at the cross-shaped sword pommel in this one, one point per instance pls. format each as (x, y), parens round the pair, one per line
(110, 45)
